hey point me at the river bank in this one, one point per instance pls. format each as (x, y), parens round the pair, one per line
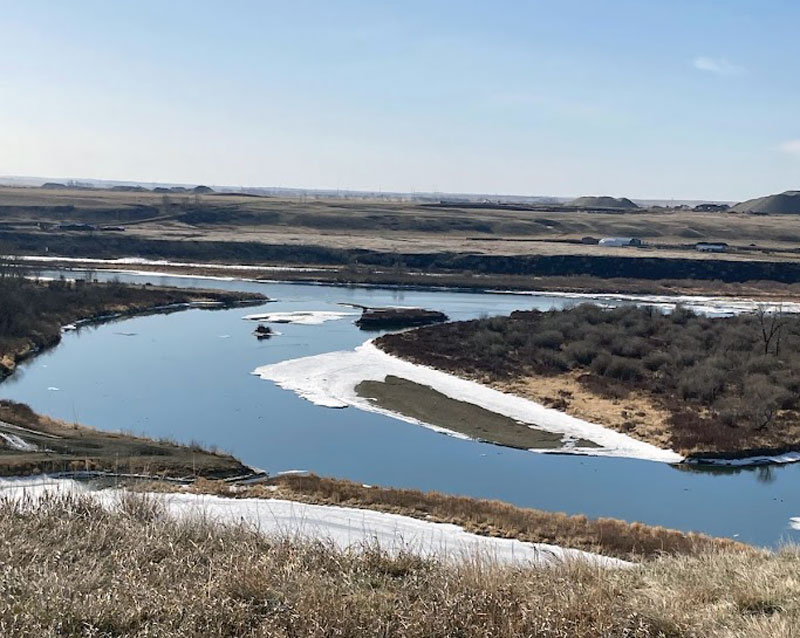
(430, 279)
(203, 391)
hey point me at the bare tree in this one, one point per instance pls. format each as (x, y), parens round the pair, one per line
(771, 323)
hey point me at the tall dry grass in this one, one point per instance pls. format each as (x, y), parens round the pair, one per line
(70, 568)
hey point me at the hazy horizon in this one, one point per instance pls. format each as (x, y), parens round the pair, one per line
(652, 101)
(37, 180)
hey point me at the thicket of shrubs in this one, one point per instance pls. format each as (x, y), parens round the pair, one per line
(717, 376)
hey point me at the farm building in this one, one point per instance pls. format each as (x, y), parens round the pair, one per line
(711, 246)
(620, 241)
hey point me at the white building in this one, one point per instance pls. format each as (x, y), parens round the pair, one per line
(620, 241)
(711, 246)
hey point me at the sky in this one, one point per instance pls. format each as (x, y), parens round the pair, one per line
(685, 99)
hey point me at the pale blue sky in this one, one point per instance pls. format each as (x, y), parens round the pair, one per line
(645, 98)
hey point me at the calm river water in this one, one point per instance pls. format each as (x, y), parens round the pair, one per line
(187, 375)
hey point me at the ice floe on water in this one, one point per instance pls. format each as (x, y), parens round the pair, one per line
(762, 459)
(303, 317)
(347, 528)
(331, 379)
(707, 305)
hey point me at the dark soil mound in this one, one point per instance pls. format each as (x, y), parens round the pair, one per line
(787, 203)
(620, 203)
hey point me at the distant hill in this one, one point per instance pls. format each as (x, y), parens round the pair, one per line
(621, 203)
(787, 203)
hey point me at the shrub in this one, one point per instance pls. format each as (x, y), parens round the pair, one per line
(581, 353)
(624, 369)
(548, 339)
(656, 360)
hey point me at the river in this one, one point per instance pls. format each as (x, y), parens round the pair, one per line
(187, 376)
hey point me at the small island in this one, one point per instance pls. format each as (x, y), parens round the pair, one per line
(709, 388)
(394, 318)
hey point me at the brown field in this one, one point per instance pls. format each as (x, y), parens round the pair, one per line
(402, 226)
(638, 416)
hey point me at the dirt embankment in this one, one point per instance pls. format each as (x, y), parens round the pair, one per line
(35, 444)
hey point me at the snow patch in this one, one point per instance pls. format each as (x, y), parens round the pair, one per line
(303, 317)
(347, 528)
(17, 443)
(330, 380)
(138, 261)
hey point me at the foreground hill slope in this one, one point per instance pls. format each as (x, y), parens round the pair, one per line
(135, 572)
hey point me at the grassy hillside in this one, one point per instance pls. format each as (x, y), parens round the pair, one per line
(69, 568)
(388, 225)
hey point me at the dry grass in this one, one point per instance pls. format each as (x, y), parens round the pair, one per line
(636, 415)
(392, 225)
(607, 536)
(71, 569)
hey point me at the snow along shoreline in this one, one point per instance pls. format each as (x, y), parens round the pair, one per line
(330, 380)
(347, 528)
